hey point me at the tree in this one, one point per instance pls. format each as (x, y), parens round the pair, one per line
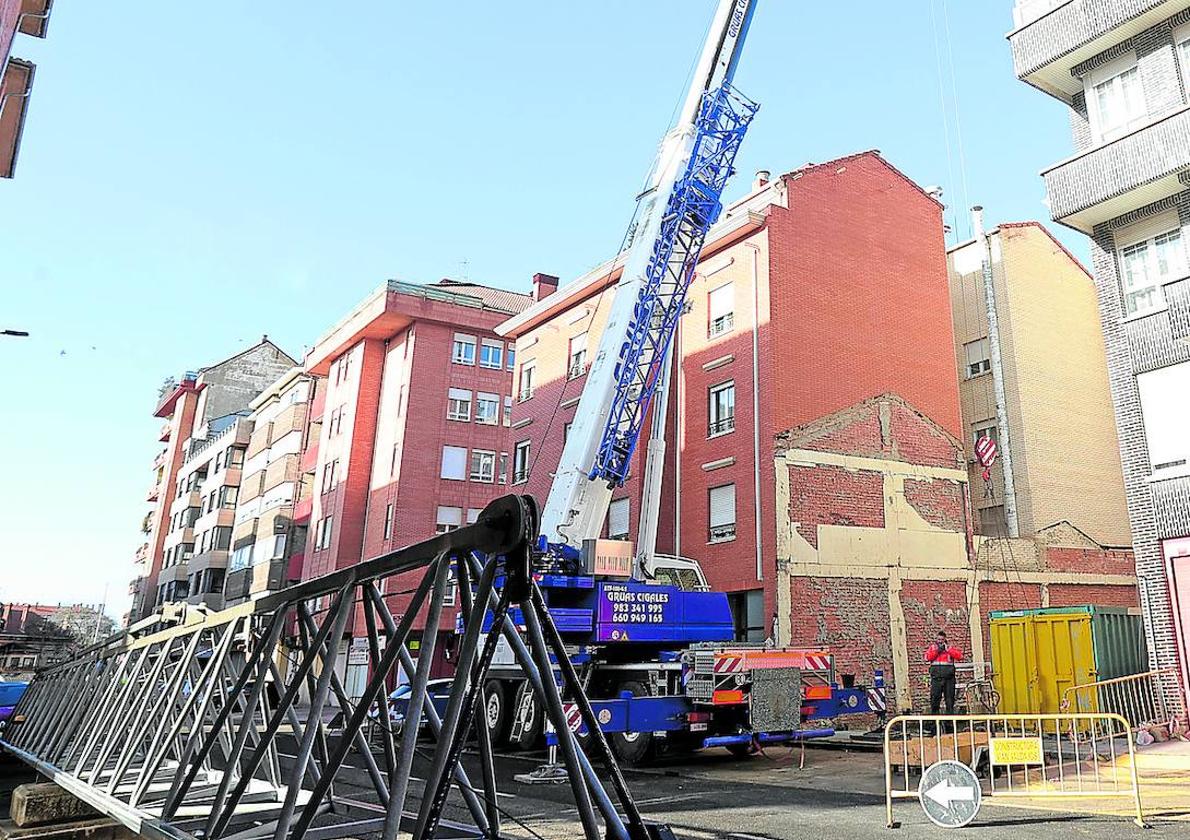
(84, 624)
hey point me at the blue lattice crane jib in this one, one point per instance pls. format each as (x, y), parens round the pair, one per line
(693, 207)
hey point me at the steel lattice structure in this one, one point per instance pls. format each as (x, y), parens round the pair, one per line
(183, 733)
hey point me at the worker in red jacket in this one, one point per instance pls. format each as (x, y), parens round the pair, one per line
(942, 657)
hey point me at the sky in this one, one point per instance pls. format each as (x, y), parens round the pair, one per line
(189, 181)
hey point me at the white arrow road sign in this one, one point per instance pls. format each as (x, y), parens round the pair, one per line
(950, 794)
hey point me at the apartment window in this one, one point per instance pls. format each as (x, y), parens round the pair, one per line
(221, 538)
(721, 501)
(458, 405)
(473, 515)
(322, 532)
(1182, 38)
(1115, 99)
(392, 467)
(566, 431)
(388, 521)
(219, 462)
(448, 519)
(721, 310)
(526, 387)
(463, 350)
(721, 409)
(520, 462)
(454, 463)
(278, 547)
(510, 359)
(214, 580)
(508, 411)
(502, 470)
(1165, 408)
(336, 422)
(241, 558)
(491, 354)
(235, 457)
(979, 357)
(985, 430)
(578, 356)
(228, 496)
(617, 520)
(483, 466)
(487, 409)
(329, 470)
(1145, 266)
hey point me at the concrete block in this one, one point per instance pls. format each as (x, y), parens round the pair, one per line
(43, 803)
(97, 828)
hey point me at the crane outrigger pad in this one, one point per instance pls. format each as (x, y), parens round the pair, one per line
(191, 724)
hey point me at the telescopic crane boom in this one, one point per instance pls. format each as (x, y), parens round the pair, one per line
(681, 201)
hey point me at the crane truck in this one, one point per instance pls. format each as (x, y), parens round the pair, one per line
(653, 645)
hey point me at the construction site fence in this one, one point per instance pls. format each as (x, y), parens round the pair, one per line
(1033, 756)
(1152, 698)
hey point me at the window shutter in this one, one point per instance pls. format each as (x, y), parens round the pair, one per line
(722, 301)
(722, 506)
(1146, 228)
(454, 462)
(578, 343)
(450, 516)
(617, 518)
(460, 394)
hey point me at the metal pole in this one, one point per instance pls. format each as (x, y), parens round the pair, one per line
(483, 735)
(989, 293)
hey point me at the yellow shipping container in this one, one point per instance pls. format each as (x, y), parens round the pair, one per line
(1038, 654)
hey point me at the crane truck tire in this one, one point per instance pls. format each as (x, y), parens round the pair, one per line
(497, 711)
(528, 731)
(633, 748)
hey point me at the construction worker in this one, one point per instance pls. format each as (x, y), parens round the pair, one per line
(942, 657)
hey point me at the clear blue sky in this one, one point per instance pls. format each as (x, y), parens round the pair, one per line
(191, 178)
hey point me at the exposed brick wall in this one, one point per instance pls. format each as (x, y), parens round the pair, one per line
(1092, 560)
(851, 617)
(931, 606)
(920, 443)
(938, 502)
(1099, 595)
(827, 495)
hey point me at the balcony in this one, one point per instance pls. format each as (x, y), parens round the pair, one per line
(166, 430)
(1132, 171)
(136, 586)
(154, 493)
(283, 469)
(1053, 37)
(215, 558)
(188, 499)
(721, 426)
(172, 574)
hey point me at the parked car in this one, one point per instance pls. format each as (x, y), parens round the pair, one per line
(10, 695)
(398, 703)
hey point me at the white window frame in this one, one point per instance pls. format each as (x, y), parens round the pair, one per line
(977, 357)
(716, 424)
(576, 364)
(458, 405)
(720, 527)
(497, 348)
(447, 518)
(1181, 41)
(1146, 238)
(453, 466)
(1111, 76)
(483, 466)
(491, 418)
(520, 461)
(463, 349)
(508, 411)
(721, 310)
(987, 427)
(525, 380)
(1165, 410)
(323, 532)
(388, 521)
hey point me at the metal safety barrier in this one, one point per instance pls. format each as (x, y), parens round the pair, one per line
(194, 731)
(1016, 755)
(1147, 699)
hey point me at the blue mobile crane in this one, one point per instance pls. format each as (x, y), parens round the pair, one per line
(653, 646)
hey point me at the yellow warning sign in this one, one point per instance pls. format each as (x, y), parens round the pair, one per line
(1017, 751)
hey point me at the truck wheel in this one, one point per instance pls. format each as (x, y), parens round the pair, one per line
(741, 750)
(496, 711)
(633, 748)
(533, 729)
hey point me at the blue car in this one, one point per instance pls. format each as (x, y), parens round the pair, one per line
(10, 695)
(398, 703)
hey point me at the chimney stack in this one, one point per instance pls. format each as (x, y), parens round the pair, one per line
(544, 285)
(763, 176)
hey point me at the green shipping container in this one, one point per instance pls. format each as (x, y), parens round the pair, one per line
(1038, 654)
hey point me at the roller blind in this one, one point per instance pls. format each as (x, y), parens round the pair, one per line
(722, 506)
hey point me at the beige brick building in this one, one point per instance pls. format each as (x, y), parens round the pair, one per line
(1065, 455)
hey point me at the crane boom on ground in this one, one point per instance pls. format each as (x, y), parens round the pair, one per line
(682, 200)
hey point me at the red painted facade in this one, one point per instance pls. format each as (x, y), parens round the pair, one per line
(381, 409)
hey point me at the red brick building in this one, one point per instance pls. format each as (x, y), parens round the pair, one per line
(825, 286)
(26, 17)
(411, 420)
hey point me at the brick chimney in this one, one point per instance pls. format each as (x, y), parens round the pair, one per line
(544, 285)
